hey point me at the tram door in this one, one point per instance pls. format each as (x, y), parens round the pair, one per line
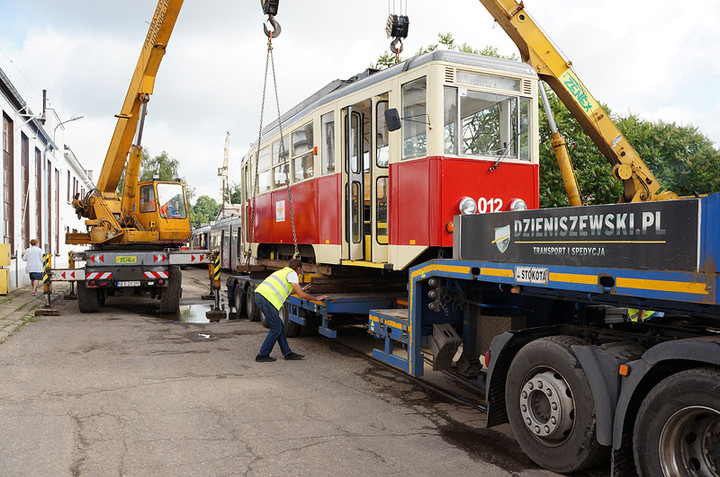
(366, 174)
(355, 188)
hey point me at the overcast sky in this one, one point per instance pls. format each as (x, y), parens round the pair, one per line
(659, 59)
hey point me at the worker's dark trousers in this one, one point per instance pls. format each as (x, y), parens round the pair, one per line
(277, 327)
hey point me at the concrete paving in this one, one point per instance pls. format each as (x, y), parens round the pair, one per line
(126, 392)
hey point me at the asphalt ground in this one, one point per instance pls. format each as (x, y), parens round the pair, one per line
(128, 392)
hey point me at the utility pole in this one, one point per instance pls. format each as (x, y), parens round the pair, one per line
(223, 172)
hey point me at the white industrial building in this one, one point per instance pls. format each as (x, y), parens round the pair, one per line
(40, 178)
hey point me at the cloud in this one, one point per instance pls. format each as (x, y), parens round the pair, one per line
(657, 58)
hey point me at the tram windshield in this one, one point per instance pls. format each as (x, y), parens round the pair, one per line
(486, 124)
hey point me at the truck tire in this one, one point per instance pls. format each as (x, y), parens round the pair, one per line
(550, 406)
(263, 320)
(677, 431)
(292, 329)
(88, 298)
(253, 312)
(239, 300)
(170, 297)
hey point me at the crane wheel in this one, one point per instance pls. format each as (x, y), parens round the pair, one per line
(170, 297)
(88, 298)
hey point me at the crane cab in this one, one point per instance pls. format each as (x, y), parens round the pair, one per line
(162, 207)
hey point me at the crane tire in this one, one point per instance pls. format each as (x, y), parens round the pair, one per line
(88, 298)
(550, 406)
(253, 312)
(677, 431)
(170, 295)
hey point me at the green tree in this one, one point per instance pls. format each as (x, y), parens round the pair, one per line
(445, 42)
(162, 167)
(233, 194)
(682, 159)
(203, 211)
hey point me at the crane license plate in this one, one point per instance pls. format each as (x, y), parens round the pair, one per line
(129, 283)
(535, 275)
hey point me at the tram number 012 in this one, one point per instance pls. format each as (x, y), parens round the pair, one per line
(487, 205)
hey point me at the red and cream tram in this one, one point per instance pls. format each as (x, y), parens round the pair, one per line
(367, 196)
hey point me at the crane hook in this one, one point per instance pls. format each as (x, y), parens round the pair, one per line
(396, 46)
(275, 32)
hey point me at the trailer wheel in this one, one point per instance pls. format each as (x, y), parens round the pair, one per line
(170, 296)
(88, 298)
(263, 320)
(550, 406)
(677, 431)
(292, 329)
(239, 300)
(253, 312)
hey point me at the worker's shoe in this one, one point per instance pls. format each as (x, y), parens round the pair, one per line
(264, 359)
(294, 356)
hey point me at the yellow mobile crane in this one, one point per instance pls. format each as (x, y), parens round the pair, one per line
(134, 236)
(537, 51)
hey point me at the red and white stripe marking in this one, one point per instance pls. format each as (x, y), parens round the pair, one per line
(98, 276)
(155, 274)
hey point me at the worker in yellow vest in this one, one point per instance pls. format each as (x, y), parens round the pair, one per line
(636, 314)
(269, 297)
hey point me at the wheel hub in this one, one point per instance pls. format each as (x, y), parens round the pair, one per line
(690, 442)
(546, 406)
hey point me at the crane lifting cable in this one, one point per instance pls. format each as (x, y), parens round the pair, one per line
(270, 8)
(397, 26)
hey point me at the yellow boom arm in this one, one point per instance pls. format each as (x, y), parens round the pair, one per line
(537, 51)
(139, 91)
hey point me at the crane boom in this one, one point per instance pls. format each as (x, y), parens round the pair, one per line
(537, 51)
(151, 213)
(141, 87)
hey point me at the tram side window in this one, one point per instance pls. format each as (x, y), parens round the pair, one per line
(264, 183)
(302, 151)
(382, 151)
(414, 113)
(450, 114)
(327, 124)
(280, 162)
(524, 137)
(381, 210)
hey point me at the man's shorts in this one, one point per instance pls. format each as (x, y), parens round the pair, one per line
(36, 275)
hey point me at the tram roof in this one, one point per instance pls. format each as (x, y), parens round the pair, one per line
(338, 88)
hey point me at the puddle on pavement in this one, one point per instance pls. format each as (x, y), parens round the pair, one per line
(196, 313)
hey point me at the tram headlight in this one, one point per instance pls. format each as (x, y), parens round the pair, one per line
(467, 206)
(518, 204)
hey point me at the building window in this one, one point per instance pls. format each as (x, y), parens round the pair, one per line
(25, 189)
(38, 193)
(57, 211)
(8, 189)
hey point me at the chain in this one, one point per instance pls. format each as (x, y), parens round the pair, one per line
(270, 62)
(282, 154)
(256, 187)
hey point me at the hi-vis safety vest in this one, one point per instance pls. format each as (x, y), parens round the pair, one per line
(634, 314)
(276, 288)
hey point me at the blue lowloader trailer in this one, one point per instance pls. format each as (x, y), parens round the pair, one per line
(542, 301)
(537, 306)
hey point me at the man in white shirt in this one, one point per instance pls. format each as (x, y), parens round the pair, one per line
(34, 258)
